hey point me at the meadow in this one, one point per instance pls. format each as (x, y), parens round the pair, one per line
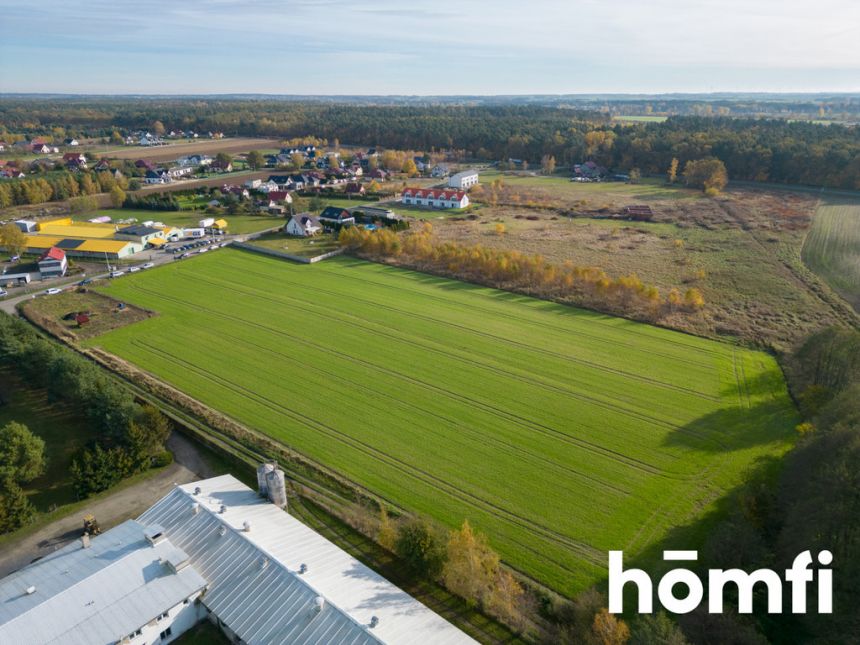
(561, 433)
(238, 224)
(832, 247)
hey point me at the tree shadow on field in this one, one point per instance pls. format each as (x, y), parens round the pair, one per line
(771, 421)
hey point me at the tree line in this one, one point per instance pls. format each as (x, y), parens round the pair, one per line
(130, 436)
(755, 149)
(531, 274)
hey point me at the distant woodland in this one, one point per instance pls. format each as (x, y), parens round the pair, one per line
(777, 150)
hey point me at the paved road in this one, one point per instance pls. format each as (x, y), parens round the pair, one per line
(34, 290)
(109, 511)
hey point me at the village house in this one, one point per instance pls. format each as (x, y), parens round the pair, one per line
(195, 161)
(335, 216)
(280, 196)
(354, 188)
(179, 171)
(435, 198)
(378, 174)
(303, 225)
(438, 171)
(156, 177)
(144, 163)
(52, 263)
(221, 166)
(72, 142)
(75, 161)
(463, 180)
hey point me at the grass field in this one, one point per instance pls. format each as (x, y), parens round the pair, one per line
(559, 432)
(561, 190)
(832, 248)
(238, 224)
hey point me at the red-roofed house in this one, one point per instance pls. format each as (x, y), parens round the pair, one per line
(279, 196)
(52, 263)
(75, 160)
(435, 198)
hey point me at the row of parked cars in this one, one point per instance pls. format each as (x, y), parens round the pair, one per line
(200, 246)
(140, 267)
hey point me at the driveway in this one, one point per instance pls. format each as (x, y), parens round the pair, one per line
(111, 510)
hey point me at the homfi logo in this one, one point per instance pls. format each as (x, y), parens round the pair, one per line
(798, 577)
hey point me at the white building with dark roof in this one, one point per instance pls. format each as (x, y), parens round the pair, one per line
(212, 550)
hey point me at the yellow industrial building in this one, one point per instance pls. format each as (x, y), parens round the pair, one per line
(90, 240)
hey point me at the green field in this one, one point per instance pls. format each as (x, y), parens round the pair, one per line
(238, 224)
(559, 432)
(832, 248)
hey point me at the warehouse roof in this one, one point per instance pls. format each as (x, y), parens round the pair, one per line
(139, 229)
(95, 595)
(259, 589)
(78, 229)
(75, 244)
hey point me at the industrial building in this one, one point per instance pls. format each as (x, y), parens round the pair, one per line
(212, 550)
(94, 239)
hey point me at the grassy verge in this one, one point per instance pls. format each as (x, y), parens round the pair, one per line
(444, 603)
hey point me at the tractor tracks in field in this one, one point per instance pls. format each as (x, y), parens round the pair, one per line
(584, 550)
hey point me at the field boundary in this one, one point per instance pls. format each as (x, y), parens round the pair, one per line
(246, 246)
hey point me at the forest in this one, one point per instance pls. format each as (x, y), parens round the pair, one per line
(753, 149)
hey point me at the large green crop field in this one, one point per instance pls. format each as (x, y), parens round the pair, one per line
(832, 248)
(559, 432)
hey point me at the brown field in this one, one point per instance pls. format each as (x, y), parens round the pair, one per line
(741, 250)
(174, 150)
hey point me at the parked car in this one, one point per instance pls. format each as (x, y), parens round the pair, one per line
(53, 291)
(116, 274)
(14, 258)
(3, 292)
(202, 250)
(148, 265)
(85, 282)
(133, 269)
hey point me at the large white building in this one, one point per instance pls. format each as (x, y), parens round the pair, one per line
(434, 198)
(212, 550)
(463, 180)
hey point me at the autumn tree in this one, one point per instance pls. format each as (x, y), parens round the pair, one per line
(297, 160)
(672, 173)
(547, 164)
(12, 238)
(693, 298)
(656, 629)
(117, 196)
(500, 228)
(224, 159)
(708, 174)
(471, 566)
(116, 137)
(158, 128)
(635, 175)
(409, 168)
(386, 534)
(609, 630)
(256, 159)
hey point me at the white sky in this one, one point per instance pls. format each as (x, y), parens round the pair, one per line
(420, 47)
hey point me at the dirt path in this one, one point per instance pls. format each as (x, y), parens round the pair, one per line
(109, 511)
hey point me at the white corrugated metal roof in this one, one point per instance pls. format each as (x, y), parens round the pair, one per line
(96, 595)
(275, 603)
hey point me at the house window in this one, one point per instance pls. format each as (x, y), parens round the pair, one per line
(166, 614)
(167, 633)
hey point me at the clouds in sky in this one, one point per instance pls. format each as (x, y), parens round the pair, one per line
(421, 47)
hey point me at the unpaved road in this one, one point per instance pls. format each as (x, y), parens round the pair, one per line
(109, 511)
